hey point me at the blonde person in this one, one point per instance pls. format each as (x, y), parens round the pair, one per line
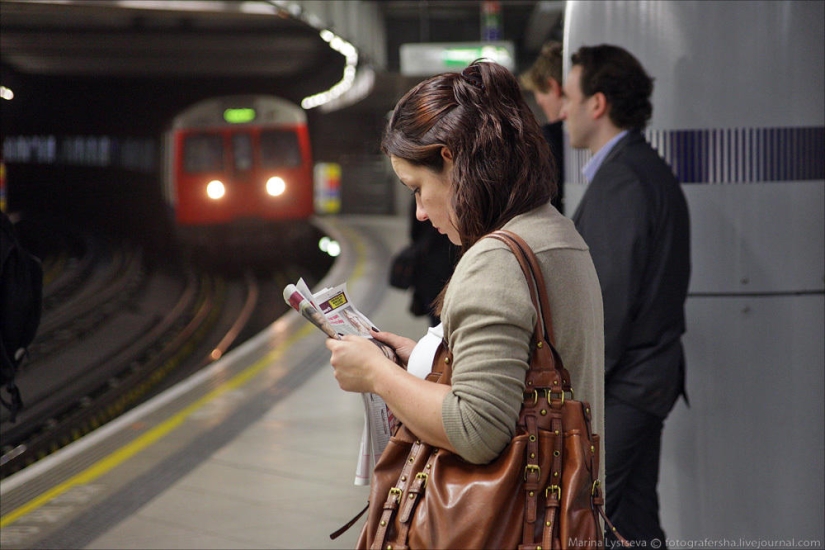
(469, 149)
(544, 80)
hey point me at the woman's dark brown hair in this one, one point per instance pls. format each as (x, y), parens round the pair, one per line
(502, 164)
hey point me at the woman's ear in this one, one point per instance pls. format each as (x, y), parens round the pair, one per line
(447, 157)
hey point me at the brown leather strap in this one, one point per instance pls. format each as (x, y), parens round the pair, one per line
(535, 271)
(349, 524)
(542, 334)
(414, 494)
(543, 308)
(550, 517)
(417, 486)
(532, 477)
(523, 262)
(442, 369)
(394, 497)
(598, 503)
(554, 479)
(535, 282)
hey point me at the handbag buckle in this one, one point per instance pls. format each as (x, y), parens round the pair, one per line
(561, 395)
(395, 491)
(532, 468)
(551, 489)
(423, 477)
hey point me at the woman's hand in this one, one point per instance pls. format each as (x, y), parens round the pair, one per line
(356, 361)
(403, 346)
(361, 366)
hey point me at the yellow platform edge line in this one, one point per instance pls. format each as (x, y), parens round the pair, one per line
(116, 458)
(147, 439)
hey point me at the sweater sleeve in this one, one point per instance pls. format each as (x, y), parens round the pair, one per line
(489, 320)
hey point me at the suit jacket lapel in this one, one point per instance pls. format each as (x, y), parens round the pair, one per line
(631, 136)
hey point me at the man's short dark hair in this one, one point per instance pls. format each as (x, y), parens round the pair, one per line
(614, 72)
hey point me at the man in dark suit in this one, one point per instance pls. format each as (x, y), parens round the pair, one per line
(634, 217)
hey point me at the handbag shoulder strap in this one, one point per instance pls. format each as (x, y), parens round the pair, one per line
(538, 294)
(442, 369)
(543, 332)
(532, 273)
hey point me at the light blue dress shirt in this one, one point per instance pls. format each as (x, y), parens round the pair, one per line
(589, 170)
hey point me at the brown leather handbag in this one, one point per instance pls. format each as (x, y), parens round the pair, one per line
(541, 492)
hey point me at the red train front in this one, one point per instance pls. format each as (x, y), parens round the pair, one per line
(236, 164)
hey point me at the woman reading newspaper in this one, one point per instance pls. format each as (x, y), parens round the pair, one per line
(468, 148)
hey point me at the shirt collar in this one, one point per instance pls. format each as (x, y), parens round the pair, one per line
(589, 170)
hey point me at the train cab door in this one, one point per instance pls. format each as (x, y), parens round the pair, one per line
(243, 171)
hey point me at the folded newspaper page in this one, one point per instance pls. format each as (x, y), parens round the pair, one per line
(331, 311)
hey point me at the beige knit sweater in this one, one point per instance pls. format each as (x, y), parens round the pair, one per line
(488, 321)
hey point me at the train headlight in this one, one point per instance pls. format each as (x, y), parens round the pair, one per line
(275, 186)
(215, 189)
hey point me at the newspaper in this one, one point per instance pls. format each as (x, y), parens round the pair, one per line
(331, 311)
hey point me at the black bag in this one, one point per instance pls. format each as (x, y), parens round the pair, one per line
(402, 269)
(21, 296)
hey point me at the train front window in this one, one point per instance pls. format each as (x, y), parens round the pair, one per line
(242, 152)
(203, 153)
(279, 148)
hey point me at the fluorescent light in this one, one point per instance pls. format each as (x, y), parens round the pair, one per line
(351, 62)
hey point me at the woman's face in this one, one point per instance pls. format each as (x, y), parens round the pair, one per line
(432, 192)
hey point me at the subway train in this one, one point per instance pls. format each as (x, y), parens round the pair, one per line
(237, 171)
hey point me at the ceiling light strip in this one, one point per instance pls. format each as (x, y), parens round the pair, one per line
(335, 42)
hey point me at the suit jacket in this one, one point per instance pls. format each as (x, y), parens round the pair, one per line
(634, 218)
(554, 135)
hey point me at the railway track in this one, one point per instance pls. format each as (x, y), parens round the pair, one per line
(114, 333)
